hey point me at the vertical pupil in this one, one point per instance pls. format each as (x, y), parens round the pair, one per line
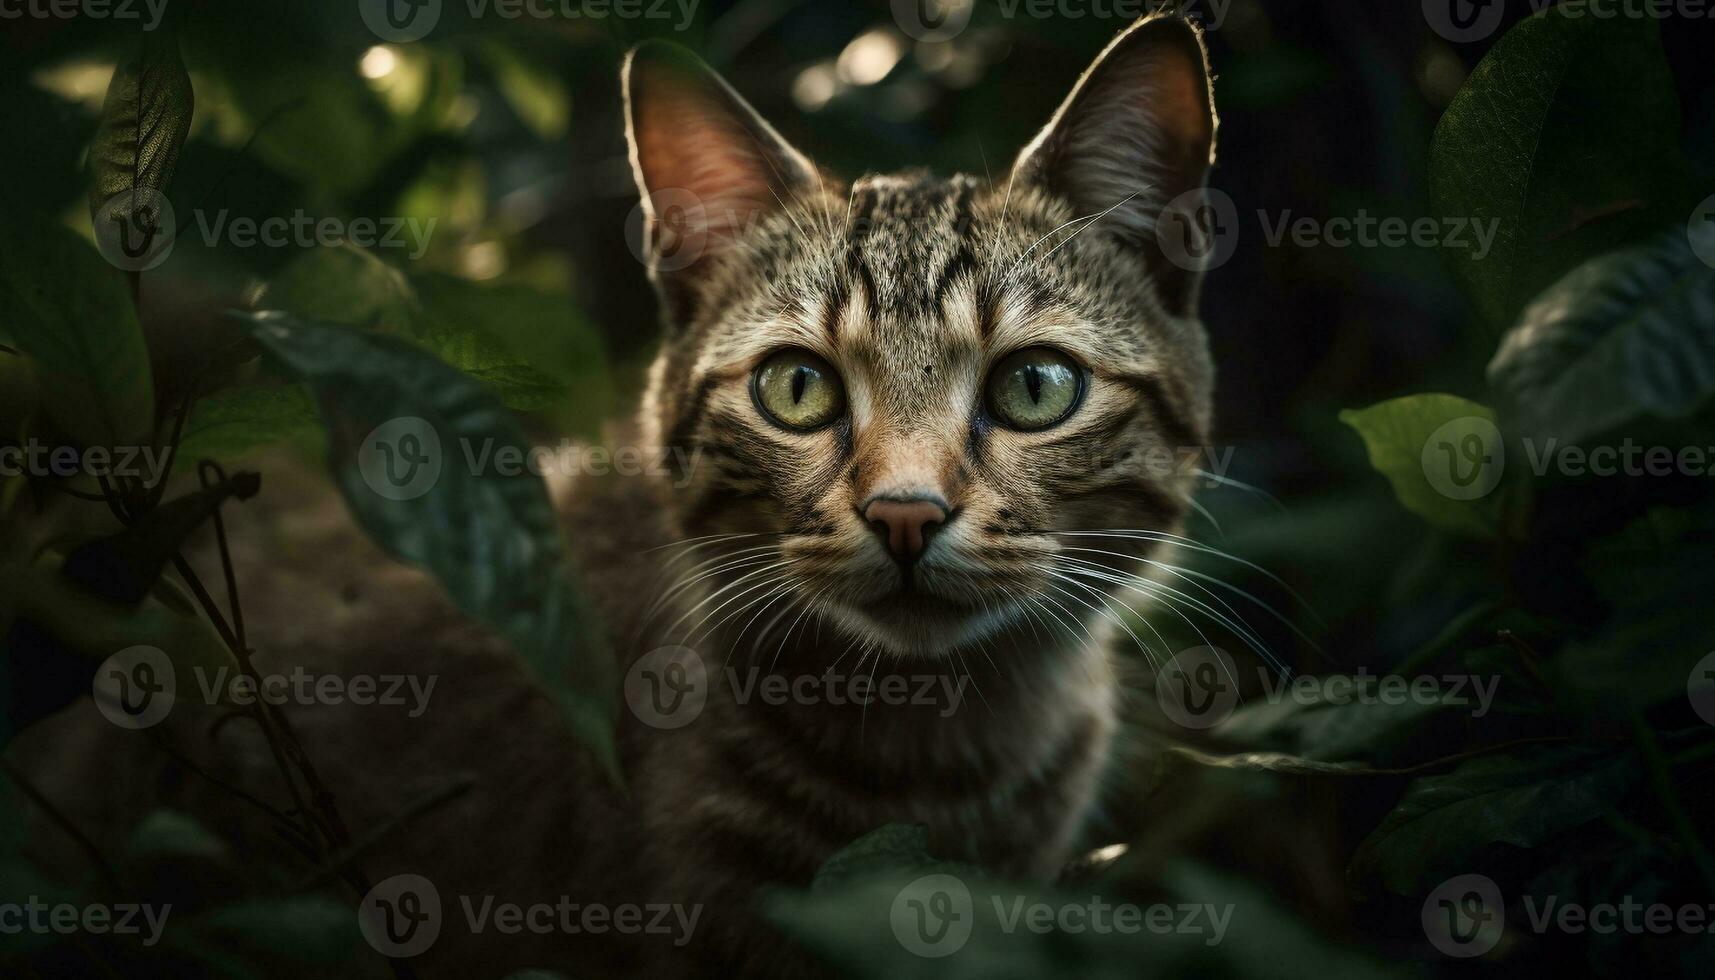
(1033, 383)
(800, 378)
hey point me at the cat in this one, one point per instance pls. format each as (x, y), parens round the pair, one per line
(895, 407)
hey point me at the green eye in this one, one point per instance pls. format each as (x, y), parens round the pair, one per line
(1034, 389)
(798, 390)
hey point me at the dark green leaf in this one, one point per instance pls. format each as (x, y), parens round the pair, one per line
(143, 125)
(1566, 135)
(403, 430)
(1444, 822)
(69, 310)
(1624, 335)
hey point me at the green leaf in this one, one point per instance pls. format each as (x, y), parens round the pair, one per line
(69, 310)
(143, 125)
(1624, 335)
(403, 430)
(346, 285)
(228, 424)
(1447, 463)
(1443, 822)
(1566, 136)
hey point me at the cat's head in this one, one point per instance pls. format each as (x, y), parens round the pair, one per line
(908, 390)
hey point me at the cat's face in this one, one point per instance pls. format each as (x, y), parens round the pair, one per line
(908, 391)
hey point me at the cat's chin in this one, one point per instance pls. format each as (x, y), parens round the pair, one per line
(916, 624)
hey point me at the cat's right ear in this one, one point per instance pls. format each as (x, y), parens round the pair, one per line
(707, 166)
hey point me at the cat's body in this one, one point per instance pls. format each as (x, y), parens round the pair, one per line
(913, 532)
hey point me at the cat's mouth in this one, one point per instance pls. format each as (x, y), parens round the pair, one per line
(913, 622)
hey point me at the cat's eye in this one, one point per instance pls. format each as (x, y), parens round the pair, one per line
(1034, 389)
(798, 390)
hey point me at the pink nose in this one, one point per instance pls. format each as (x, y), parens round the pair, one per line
(905, 525)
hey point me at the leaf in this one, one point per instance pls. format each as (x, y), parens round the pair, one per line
(1443, 822)
(491, 539)
(228, 424)
(346, 285)
(69, 310)
(1624, 335)
(893, 847)
(1566, 137)
(166, 833)
(143, 125)
(1446, 461)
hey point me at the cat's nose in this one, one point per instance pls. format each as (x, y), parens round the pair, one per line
(904, 525)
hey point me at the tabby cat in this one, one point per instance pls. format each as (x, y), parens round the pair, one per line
(898, 404)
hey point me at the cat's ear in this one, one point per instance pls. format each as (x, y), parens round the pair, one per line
(707, 165)
(1137, 133)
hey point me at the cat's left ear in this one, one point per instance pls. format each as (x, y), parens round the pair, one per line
(1137, 132)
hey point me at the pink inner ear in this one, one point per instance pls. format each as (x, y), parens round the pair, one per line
(1168, 94)
(694, 156)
